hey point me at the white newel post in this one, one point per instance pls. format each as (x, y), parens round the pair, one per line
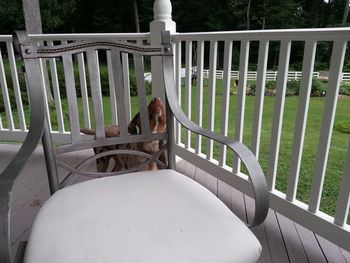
(162, 21)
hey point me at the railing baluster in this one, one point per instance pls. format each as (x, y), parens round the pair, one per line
(226, 84)
(199, 86)
(301, 118)
(178, 85)
(343, 203)
(211, 94)
(84, 92)
(95, 83)
(283, 64)
(242, 86)
(188, 87)
(259, 96)
(56, 92)
(5, 95)
(335, 71)
(16, 87)
(71, 98)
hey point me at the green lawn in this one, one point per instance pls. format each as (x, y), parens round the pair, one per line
(337, 151)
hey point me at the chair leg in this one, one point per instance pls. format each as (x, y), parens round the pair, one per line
(50, 160)
(20, 252)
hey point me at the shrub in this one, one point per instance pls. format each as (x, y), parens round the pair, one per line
(318, 88)
(133, 86)
(293, 88)
(342, 126)
(270, 84)
(11, 92)
(344, 88)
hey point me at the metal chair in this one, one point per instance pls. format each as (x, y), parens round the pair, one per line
(140, 216)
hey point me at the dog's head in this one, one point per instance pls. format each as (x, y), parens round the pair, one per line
(156, 115)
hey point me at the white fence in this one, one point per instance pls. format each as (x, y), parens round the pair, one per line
(335, 228)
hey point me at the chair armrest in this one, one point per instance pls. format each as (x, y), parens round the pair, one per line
(255, 172)
(9, 175)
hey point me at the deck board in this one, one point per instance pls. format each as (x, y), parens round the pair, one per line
(310, 245)
(331, 251)
(292, 241)
(282, 239)
(274, 238)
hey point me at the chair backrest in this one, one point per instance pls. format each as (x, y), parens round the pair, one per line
(128, 133)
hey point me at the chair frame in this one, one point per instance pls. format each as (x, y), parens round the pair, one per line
(39, 129)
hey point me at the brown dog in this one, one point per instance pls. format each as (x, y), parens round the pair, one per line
(157, 121)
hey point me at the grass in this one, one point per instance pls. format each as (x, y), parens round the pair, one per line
(338, 146)
(337, 153)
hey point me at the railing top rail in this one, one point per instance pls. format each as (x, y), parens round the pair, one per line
(84, 36)
(319, 34)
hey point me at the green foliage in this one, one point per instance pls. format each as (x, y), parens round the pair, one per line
(344, 88)
(270, 85)
(318, 88)
(342, 126)
(133, 86)
(293, 87)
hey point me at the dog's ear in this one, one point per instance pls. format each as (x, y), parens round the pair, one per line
(135, 125)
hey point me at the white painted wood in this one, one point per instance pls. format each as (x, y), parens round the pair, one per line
(259, 96)
(162, 10)
(199, 95)
(5, 95)
(337, 61)
(71, 98)
(96, 95)
(56, 92)
(157, 26)
(188, 90)
(84, 92)
(225, 98)
(112, 94)
(178, 86)
(343, 203)
(16, 87)
(211, 94)
(319, 34)
(283, 64)
(242, 86)
(301, 118)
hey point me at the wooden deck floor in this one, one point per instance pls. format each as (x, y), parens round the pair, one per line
(282, 239)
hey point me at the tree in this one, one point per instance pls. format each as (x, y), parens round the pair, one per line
(346, 12)
(32, 19)
(136, 16)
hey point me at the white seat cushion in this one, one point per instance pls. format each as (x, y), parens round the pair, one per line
(156, 216)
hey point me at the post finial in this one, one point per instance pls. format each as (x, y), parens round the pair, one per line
(162, 10)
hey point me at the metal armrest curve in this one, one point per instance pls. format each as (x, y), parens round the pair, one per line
(9, 175)
(255, 171)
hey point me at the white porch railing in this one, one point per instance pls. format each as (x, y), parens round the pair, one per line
(209, 48)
